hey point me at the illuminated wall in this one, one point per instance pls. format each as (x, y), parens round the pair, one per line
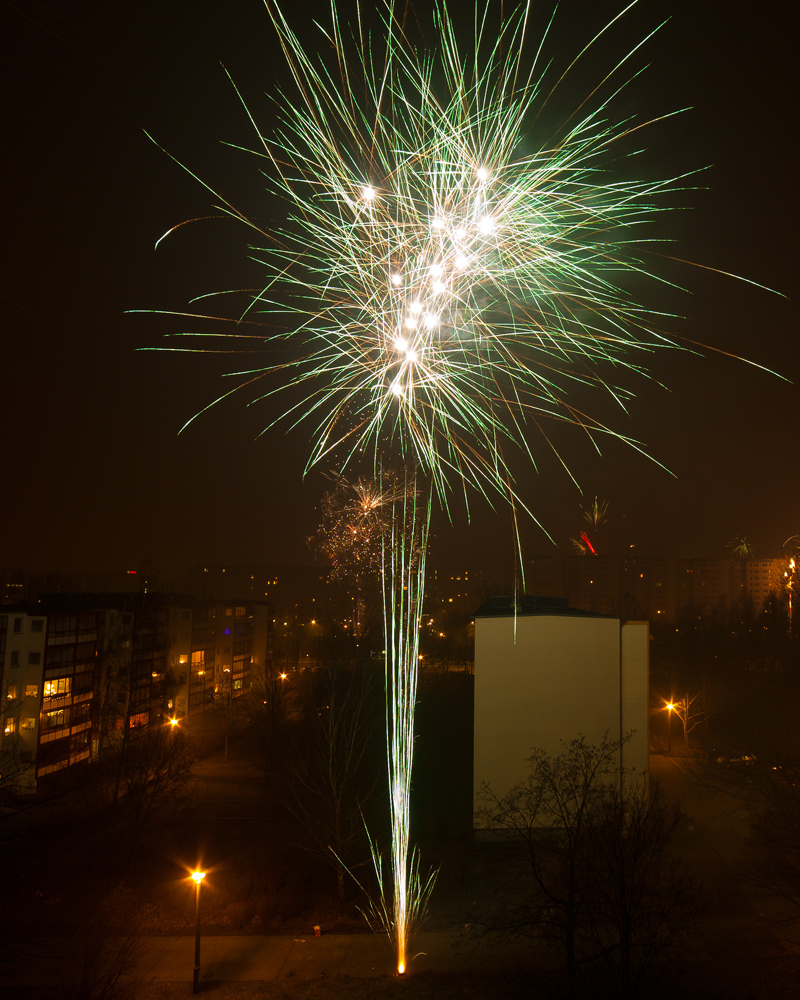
(565, 674)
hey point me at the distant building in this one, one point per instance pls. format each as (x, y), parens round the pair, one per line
(548, 674)
(456, 590)
(653, 588)
(77, 669)
(216, 649)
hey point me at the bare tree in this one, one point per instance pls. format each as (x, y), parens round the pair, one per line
(97, 966)
(270, 704)
(586, 865)
(334, 782)
(154, 776)
(693, 708)
(640, 902)
(231, 706)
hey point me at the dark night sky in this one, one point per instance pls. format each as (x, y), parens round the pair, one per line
(95, 474)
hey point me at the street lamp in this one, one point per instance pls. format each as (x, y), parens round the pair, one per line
(198, 878)
(670, 709)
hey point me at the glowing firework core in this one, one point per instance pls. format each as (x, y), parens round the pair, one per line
(432, 271)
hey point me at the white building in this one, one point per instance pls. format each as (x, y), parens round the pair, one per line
(548, 675)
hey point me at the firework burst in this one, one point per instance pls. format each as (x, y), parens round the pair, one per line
(444, 277)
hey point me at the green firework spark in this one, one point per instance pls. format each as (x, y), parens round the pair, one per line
(444, 277)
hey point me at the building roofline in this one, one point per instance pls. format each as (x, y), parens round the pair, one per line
(533, 605)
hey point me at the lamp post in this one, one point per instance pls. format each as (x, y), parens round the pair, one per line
(198, 878)
(670, 709)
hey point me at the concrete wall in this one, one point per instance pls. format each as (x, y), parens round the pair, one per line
(560, 677)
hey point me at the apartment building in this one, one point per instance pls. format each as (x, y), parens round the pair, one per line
(77, 670)
(48, 680)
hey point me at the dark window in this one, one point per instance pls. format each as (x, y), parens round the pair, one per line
(59, 655)
(79, 741)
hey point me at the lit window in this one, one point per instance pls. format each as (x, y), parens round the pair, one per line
(29, 723)
(9, 725)
(11, 693)
(31, 690)
(58, 688)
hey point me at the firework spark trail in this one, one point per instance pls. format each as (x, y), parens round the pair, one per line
(403, 592)
(446, 276)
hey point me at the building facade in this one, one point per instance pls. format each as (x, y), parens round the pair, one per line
(49, 688)
(78, 671)
(548, 674)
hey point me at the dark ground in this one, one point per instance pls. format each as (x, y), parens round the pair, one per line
(261, 882)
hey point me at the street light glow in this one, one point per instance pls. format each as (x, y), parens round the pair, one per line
(198, 876)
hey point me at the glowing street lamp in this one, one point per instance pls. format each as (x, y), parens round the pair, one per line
(670, 710)
(198, 877)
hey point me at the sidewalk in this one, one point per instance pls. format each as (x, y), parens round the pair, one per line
(259, 958)
(223, 959)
